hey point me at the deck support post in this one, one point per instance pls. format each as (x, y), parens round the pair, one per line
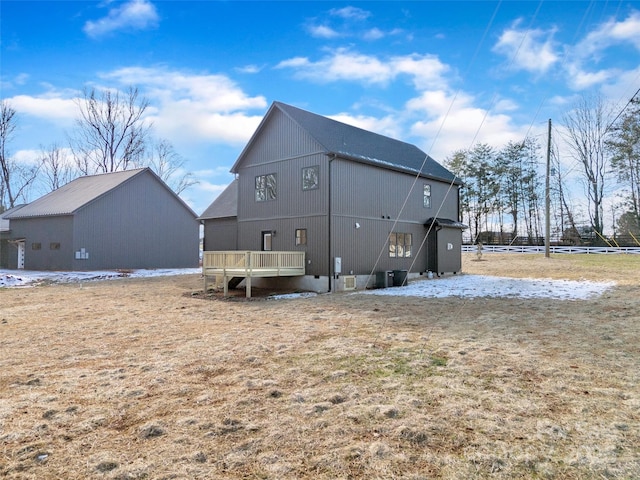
(248, 283)
(225, 281)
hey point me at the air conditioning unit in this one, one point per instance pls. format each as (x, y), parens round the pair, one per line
(349, 282)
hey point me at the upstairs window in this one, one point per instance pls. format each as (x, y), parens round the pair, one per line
(310, 177)
(426, 197)
(266, 187)
(400, 245)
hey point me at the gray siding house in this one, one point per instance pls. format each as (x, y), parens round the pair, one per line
(354, 201)
(122, 220)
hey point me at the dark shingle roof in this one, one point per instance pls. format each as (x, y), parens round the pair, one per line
(354, 143)
(74, 195)
(225, 205)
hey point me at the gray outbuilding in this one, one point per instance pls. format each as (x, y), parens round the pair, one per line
(355, 202)
(121, 220)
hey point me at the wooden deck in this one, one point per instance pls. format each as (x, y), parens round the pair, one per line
(230, 264)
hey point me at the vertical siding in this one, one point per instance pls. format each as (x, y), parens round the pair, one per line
(316, 250)
(137, 225)
(375, 198)
(221, 234)
(285, 149)
(45, 231)
(374, 192)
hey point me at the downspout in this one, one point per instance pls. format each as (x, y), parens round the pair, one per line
(332, 157)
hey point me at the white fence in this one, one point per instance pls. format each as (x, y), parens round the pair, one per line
(552, 249)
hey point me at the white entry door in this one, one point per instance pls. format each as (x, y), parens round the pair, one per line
(266, 241)
(21, 254)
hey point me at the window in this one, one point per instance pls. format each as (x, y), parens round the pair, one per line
(54, 246)
(400, 245)
(426, 199)
(310, 177)
(36, 246)
(301, 236)
(266, 187)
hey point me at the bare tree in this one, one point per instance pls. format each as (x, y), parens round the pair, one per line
(586, 129)
(57, 167)
(111, 131)
(625, 161)
(15, 178)
(169, 166)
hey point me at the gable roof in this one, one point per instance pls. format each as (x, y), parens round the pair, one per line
(353, 143)
(4, 217)
(69, 198)
(225, 205)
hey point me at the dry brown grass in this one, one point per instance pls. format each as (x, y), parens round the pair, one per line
(138, 378)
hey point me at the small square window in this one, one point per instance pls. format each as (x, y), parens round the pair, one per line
(310, 177)
(36, 246)
(54, 246)
(301, 236)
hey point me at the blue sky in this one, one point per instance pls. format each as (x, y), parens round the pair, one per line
(440, 75)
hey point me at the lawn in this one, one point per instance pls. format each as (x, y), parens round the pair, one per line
(148, 378)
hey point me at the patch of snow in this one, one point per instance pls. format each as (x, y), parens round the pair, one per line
(471, 286)
(28, 278)
(467, 286)
(286, 296)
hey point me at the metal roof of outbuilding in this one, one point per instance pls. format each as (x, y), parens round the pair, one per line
(74, 195)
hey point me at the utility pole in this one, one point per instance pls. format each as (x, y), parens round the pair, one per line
(547, 199)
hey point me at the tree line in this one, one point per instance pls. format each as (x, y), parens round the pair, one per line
(504, 191)
(110, 134)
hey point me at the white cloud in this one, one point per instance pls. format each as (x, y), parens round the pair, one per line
(345, 65)
(373, 34)
(452, 124)
(587, 66)
(197, 107)
(322, 31)
(14, 81)
(580, 79)
(250, 69)
(50, 106)
(27, 157)
(527, 49)
(133, 15)
(347, 22)
(611, 33)
(350, 13)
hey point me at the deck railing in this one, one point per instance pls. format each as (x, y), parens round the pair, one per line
(248, 264)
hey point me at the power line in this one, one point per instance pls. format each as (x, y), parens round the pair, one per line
(621, 111)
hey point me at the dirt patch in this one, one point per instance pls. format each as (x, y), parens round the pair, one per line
(139, 378)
